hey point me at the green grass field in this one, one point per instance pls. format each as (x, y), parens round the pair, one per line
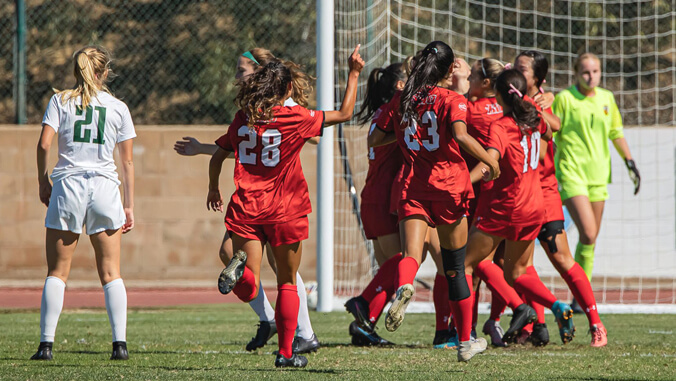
(207, 342)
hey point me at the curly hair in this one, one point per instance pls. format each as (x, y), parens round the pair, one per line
(262, 90)
(301, 82)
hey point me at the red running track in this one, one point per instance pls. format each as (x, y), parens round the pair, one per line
(136, 297)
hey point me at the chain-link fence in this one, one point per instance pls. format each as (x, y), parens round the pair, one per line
(175, 60)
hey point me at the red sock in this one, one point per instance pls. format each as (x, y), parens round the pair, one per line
(579, 285)
(286, 316)
(539, 308)
(407, 269)
(492, 274)
(377, 305)
(462, 313)
(498, 306)
(246, 287)
(475, 310)
(531, 286)
(442, 307)
(383, 280)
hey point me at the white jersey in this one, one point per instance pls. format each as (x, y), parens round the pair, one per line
(88, 137)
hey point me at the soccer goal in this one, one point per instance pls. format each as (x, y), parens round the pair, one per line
(635, 266)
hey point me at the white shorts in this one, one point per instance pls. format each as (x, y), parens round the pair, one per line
(90, 199)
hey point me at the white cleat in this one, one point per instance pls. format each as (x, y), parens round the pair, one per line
(467, 349)
(395, 315)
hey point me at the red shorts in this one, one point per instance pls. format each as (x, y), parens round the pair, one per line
(435, 212)
(553, 205)
(395, 194)
(281, 233)
(377, 220)
(510, 232)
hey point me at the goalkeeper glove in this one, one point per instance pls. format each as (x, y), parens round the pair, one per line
(633, 174)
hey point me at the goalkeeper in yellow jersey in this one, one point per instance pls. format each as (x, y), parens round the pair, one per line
(589, 117)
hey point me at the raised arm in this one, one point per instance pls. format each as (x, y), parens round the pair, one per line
(44, 144)
(472, 147)
(126, 149)
(356, 64)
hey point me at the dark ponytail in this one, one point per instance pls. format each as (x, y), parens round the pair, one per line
(430, 67)
(540, 65)
(380, 89)
(262, 90)
(511, 85)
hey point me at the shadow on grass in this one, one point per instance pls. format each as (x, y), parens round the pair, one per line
(392, 346)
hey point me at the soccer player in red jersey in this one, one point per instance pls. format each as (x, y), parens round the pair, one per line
(533, 65)
(436, 186)
(514, 209)
(271, 201)
(305, 340)
(379, 218)
(484, 109)
(379, 224)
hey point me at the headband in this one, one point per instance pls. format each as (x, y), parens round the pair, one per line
(250, 56)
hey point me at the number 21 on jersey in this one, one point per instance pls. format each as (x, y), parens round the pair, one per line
(534, 151)
(270, 139)
(85, 137)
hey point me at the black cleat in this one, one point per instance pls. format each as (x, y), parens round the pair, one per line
(44, 351)
(296, 361)
(577, 309)
(359, 308)
(120, 351)
(523, 315)
(365, 338)
(301, 345)
(232, 272)
(266, 329)
(540, 335)
(441, 336)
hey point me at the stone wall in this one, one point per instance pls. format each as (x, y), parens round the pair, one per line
(176, 240)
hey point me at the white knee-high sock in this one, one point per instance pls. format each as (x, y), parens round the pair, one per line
(50, 308)
(304, 329)
(261, 305)
(116, 305)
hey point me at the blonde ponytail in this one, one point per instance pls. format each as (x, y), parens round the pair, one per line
(91, 69)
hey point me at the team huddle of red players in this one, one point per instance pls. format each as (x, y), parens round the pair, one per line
(460, 165)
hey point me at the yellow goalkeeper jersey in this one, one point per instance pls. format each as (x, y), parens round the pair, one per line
(582, 146)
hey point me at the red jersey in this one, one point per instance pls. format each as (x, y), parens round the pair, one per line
(550, 187)
(480, 114)
(384, 161)
(435, 169)
(516, 196)
(269, 182)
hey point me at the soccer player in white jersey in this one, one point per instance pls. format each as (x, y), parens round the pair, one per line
(89, 122)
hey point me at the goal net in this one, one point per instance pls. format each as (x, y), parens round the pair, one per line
(636, 250)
